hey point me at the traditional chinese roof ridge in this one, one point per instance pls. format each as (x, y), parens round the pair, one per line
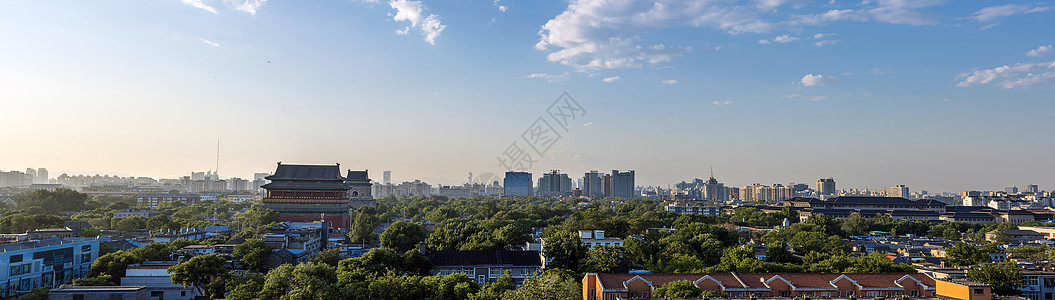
(758, 281)
(307, 172)
(358, 175)
(490, 258)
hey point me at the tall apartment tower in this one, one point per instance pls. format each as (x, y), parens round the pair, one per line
(1031, 188)
(593, 185)
(899, 191)
(1011, 190)
(387, 178)
(554, 184)
(42, 175)
(826, 187)
(518, 184)
(622, 184)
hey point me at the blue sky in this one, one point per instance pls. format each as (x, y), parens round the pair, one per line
(937, 95)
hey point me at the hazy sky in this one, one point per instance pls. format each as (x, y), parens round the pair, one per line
(937, 95)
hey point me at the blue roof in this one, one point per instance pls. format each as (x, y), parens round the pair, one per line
(295, 251)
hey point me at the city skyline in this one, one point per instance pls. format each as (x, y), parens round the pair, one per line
(936, 95)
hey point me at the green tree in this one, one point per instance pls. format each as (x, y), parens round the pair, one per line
(1005, 277)
(40, 293)
(199, 271)
(963, 255)
(253, 253)
(554, 284)
(778, 252)
(329, 256)
(52, 202)
(679, 288)
(101, 280)
(951, 234)
(566, 249)
(496, 290)
(245, 287)
(856, 224)
(606, 259)
(362, 230)
(402, 236)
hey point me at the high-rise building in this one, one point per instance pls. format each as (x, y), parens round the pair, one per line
(1011, 190)
(42, 175)
(554, 184)
(593, 185)
(899, 191)
(32, 173)
(197, 175)
(715, 191)
(826, 187)
(1031, 188)
(622, 184)
(386, 178)
(518, 184)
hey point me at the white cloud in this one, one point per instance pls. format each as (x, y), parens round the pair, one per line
(818, 98)
(908, 12)
(1021, 75)
(764, 42)
(211, 43)
(1040, 51)
(824, 43)
(587, 124)
(200, 4)
(814, 80)
(429, 25)
(993, 12)
(502, 8)
(785, 39)
(590, 35)
(670, 81)
(249, 6)
(723, 102)
(612, 79)
(550, 77)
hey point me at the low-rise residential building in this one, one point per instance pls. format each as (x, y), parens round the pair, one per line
(690, 209)
(605, 286)
(1014, 235)
(153, 200)
(166, 236)
(158, 282)
(132, 212)
(45, 263)
(99, 293)
(596, 238)
(963, 290)
(486, 266)
(50, 233)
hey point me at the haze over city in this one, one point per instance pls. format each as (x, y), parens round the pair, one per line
(937, 95)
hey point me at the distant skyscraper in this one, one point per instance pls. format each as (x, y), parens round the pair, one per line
(31, 173)
(42, 175)
(517, 184)
(593, 185)
(387, 177)
(1011, 190)
(826, 187)
(1031, 188)
(197, 175)
(622, 184)
(715, 191)
(554, 184)
(899, 191)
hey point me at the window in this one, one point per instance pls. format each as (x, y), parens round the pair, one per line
(86, 248)
(850, 293)
(159, 294)
(613, 296)
(826, 294)
(872, 294)
(183, 293)
(785, 293)
(78, 297)
(979, 291)
(631, 294)
(16, 258)
(914, 293)
(891, 293)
